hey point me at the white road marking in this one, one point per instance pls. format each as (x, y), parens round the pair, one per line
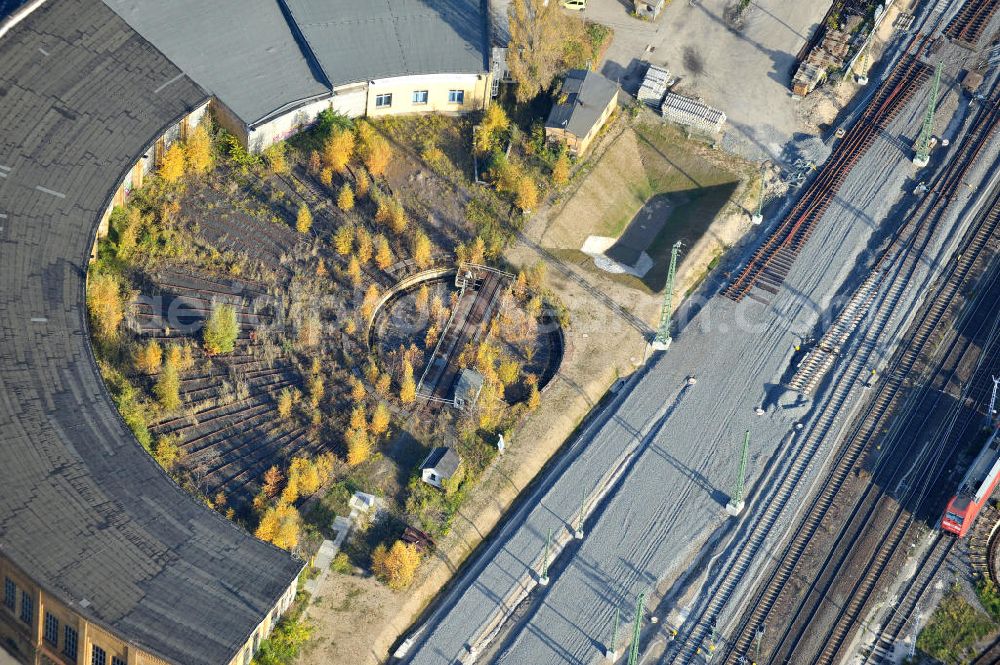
(43, 51)
(5, 168)
(39, 319)
(46, 190)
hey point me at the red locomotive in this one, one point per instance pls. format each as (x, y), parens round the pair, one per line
(975, 490)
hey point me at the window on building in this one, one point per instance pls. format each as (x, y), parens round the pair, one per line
(115, 660)
(246, 657)
(98, 656)
(456, 96)
(51, 633)
(419, 96)
(9, 593)
(27, 608)
(383, 101)
(69, 642)
(256, 642)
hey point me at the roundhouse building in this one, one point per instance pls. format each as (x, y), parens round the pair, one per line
(103, 559)
(273, 65)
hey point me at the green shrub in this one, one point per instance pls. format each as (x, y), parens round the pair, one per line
(221, 330)
(988, 597)
(342, 564)
(954, 629)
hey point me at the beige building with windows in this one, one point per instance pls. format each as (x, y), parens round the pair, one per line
(305, 56)
(36, 628)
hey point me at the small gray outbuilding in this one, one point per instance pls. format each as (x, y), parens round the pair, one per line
(441, 465)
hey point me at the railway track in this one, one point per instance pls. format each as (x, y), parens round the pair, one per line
(734, 568)
(771, 262)
(877, 498)
(821, 358)
(442, 369)
(910, 595)
(870, 423)
(971, 20)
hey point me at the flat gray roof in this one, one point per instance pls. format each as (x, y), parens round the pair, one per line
(360, 40)
(84, 511)
(263, 56)
(242, 51)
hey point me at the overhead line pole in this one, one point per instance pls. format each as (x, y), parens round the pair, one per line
(633, 656)
(736, 503)
(663, 339)
(923, 155)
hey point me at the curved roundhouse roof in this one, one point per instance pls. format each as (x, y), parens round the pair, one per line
(83, 509)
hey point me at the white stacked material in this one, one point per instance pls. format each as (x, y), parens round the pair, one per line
(691, 112)
(654, 86)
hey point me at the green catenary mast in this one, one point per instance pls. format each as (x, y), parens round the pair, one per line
(735, 505)
(923, 155)
(633, 655)
(544, 578)
(611, 652)
(662, 340)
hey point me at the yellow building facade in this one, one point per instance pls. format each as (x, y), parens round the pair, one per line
(38, 629)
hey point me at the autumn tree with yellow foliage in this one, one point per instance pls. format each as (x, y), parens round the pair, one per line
(526, 193)
(198, 150)
(280, 525)
(172, 164)
(365, 248)
(167, 387)
(272, 482)
(560, 169)
(354, 271)
(338, 150)
(383, 255)
(369, 302)
(149, 357)
(105, 304)
(285, 404)
(304, 219)
(421, 249)
(381, 419)
(397, 565)
(495, 122)
(407, 386)
(359, 446)
(374, 150)
(343, 239)
(345, 198)
(305, 475)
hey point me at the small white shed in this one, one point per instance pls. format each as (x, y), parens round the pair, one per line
(440, 466)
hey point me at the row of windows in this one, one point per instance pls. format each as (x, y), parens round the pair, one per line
(419, 98)
(99, 656)
(50, 624)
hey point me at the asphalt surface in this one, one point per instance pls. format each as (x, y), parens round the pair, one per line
(84, 510)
